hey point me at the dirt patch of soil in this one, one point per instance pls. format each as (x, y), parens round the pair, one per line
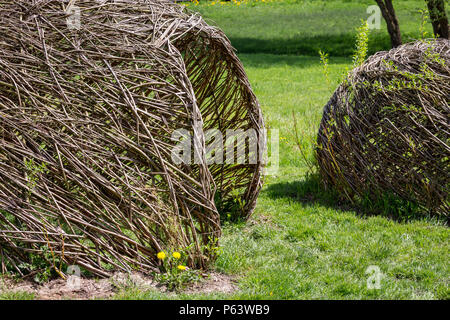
(84, 289)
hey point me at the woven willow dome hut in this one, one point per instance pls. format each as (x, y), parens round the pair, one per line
(91, 93)
(386, 129)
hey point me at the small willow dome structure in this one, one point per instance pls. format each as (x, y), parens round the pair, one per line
(387, 127)
(91, 93)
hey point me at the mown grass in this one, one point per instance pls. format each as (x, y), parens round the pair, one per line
(16, 295)
(305, 26)
(302, 242)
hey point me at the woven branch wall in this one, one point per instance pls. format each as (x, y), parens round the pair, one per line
(387, 128)
(87, 115)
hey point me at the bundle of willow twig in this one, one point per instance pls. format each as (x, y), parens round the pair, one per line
(387, 128)
(90, 95)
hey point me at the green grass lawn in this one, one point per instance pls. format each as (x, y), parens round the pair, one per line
(305, 26)
(302, 243)
(299, 245)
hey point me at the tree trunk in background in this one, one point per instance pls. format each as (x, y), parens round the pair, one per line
(388, 12)
(438, 18)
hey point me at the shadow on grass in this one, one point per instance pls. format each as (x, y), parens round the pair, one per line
(311, 191)
(341, 45)
(264, 60)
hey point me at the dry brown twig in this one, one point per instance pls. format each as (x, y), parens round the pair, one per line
(387, 127)
(94, 109)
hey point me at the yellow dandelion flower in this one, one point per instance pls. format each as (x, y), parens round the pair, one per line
(176, 255)
(180, 267)
(161, 255)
